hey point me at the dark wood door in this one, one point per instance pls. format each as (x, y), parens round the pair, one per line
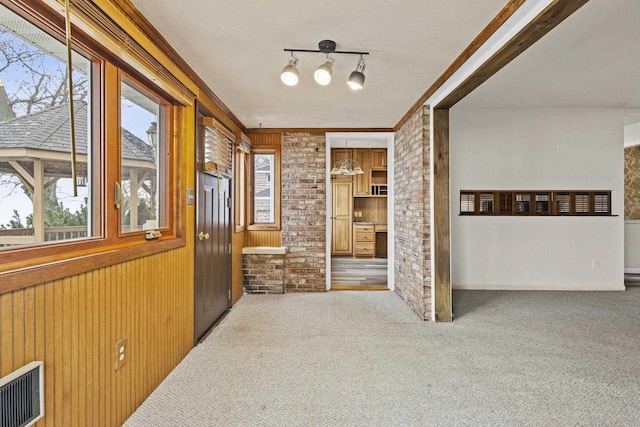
(212, 259)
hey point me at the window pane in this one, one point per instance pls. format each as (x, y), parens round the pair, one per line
(486, 202)
(467, 202)
(36, 189)
(143, 158)
(542, 203)
(582, 203)
(564, 203)
(601, 203)
(523, 203)
(263, 183)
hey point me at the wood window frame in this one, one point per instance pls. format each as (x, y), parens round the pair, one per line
(24, 266)
(277, 193)
(241, 158)
(532, 203)
(166, 164)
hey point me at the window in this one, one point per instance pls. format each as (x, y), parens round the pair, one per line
(143, 159)
(242, 151)
(37, 204)
(124, 136)
(536, 202)
(265, 188)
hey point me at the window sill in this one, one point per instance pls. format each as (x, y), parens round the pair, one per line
(265, 227)
(45, 269)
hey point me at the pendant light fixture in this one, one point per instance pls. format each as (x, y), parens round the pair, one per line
(346, 166)
(324, 73)
(289, 74)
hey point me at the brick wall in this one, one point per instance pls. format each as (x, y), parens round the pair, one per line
(263, 274)
(304, 211)
(412, 267)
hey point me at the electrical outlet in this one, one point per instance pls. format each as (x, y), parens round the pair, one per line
(121, 353)
(595, 263)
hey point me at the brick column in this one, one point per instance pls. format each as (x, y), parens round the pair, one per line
(303, 211)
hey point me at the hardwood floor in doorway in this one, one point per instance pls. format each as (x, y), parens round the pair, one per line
(358, 274)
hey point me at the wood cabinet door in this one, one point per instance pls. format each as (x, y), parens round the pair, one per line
(362, 182)
(342, 218)
(378, 158)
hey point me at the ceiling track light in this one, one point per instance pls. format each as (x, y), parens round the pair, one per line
(324, 72)
(356, 79)
(289, 74)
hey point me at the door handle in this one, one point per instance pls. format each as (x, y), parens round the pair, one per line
(203, 236)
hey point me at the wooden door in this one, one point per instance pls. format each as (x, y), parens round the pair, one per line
(212, 296)
(342, 215)
(362, 182)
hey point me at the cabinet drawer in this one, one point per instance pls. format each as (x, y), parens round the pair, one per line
(381, 228)
(364, 248)
(364, 228)
(365, 237)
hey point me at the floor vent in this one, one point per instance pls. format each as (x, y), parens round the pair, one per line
(21, 402)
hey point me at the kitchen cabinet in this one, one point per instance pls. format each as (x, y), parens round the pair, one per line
(342, 218)
(362, 182)
(378, 158)
(365, 241)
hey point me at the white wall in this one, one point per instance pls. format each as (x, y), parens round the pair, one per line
(537, 149)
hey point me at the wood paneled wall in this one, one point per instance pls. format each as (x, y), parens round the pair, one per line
(264, 238)
(237, 243)
(258, 139)
(73, 324)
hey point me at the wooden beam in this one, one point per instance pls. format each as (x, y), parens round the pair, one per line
(38, 201)
(315, 130)
(441, 262)
(23, 174)
(51, 182)
(488, 31)
(548, 19)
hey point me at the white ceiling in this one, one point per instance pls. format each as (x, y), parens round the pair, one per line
(590, 60)
(237, 49)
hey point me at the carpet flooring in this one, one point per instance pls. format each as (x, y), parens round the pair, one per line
(363, 359)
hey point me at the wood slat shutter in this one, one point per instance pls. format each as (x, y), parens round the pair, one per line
(218, 148)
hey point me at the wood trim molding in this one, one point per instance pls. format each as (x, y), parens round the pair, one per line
(54, 268)
(316, 130)
(547, 20)
(441, 221)
(488, 31)
(139, 20)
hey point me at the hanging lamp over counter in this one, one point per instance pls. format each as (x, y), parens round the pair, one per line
(346, 166)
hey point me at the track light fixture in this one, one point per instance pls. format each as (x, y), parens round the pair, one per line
(356, 79)
(289, 74)
(324, 72)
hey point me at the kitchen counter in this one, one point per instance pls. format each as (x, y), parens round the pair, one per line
(368, 223)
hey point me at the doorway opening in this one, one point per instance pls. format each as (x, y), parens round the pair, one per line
(360, 211)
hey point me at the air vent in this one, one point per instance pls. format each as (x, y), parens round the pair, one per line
(21, 402)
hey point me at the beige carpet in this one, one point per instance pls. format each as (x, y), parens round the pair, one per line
(363, 359)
